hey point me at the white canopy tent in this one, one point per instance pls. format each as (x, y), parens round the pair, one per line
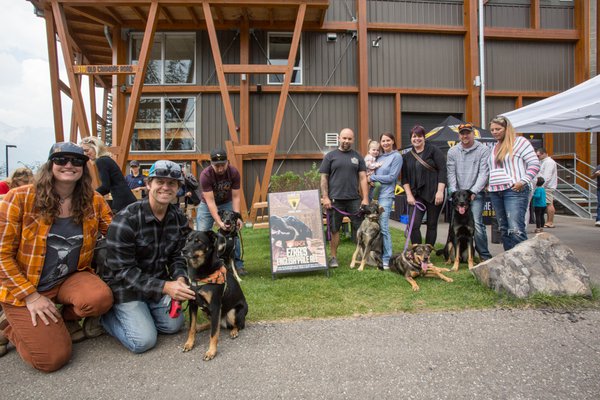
(574, 110)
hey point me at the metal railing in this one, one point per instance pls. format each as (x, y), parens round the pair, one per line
(569, 176)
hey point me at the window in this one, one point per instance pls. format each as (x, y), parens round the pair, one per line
(278, 50)
(165, 124)
(171, 58)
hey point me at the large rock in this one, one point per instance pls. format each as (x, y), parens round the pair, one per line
(538, 265)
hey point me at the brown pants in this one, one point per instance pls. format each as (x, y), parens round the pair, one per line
(48, 347)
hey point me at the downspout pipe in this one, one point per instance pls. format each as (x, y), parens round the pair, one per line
(108, 36)
(482, 63)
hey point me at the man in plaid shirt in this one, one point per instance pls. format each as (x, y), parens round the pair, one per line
(144, 266)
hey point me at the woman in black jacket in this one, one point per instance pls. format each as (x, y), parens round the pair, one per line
(424, 180)
(111, 178)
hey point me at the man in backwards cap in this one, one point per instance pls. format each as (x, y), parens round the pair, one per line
(220, 185)
(144, 266)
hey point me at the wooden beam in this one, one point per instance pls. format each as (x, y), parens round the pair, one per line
(59, 135)
(287, 78)
(418, 28)
(398, 119)
(138, 83)
(137, 11)
(534, 14)
(193, 14)
(523, 34)
(253, 69)
(245, 84)
(94, 15)
(115, 15)
(363, 77)
(167, 15)
(214, 45)
(471, 60)
(63, 34)
(119, 98)
(582, 73)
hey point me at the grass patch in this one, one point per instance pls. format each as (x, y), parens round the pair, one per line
(349, 292)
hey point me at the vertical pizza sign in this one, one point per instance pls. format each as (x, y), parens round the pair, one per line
(296, 232)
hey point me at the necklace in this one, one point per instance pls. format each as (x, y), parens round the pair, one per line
(63, 199)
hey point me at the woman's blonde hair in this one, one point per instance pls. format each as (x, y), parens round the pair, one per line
(506, 146)
(47, 201)
(97, 144)
(20, 176)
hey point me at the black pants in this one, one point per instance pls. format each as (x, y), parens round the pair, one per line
(433, 213)
(539, 216)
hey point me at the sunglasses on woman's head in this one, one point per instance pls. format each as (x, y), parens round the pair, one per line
(62, 161)
(167, 173)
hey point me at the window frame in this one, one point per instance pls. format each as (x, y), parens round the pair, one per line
(298, 68)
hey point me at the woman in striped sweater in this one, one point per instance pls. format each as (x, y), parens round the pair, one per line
(513, 166)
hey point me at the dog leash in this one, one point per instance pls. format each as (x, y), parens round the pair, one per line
(408, 231)
(341, 212)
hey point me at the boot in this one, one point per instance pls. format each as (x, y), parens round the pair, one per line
(3, 339)
(75, 331)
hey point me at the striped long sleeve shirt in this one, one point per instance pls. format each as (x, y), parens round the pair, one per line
(523, 166)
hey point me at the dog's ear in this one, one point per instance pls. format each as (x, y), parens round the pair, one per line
(430, 247)
(470, 194)
(221, 213)
(237, 215)
(212, 236)
(414, 246)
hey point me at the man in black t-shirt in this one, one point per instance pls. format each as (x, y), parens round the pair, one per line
(344, 188)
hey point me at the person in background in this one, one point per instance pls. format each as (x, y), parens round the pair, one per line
(220, 184)
(135, 179)
(467, 168)
(513, 166)
(539, 204)
(48, 232)
(596, 174)
(390, 164)
(111, 177)
(19, 177)
(549, 172)
(424, 180)
(344, 188)
(145, 267)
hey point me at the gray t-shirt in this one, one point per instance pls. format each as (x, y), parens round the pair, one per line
(343, 168)
(63, 246)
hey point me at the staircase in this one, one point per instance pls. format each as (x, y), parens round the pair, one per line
(581, 201)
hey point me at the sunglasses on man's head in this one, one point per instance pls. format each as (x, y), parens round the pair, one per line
(167, 173)
(62, 161)
(465, 126)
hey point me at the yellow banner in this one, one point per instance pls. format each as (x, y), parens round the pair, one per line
(104, 69)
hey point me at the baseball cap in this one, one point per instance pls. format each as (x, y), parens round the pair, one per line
(218, 156)
(134, 163)
(465, 127)
(166, 169)
(66, 148)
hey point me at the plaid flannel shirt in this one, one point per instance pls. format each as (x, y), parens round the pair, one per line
(23, 236)
(143, 252)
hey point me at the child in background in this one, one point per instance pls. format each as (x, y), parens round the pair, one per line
(371, 157)
(539, 205)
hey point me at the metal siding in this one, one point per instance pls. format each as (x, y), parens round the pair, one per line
(564, 143)
(431, 104)
(507, 15)
(496, 106)
(213, 125)
(416, 60)
(557, 17)
(529, 66)
(329, 63)
(330, 113)
(381, 115)
(229, 45)
(341, 10)
(416, 12)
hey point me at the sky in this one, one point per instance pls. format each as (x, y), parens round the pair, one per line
(25, 98)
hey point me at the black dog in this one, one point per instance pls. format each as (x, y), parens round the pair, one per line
(227, 238)
(415, 262)
(288, 228)
(218, 293)
(369, 241)
(459, 246)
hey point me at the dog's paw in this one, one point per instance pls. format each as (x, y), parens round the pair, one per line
(351, 266)
(187, 347)
(416, 288)
(209, 355)
(454, 269)
(234, 333)
(450, 280)
(361, 268)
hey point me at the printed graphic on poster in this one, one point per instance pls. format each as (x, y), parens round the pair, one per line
(488, 211)
(296, 230)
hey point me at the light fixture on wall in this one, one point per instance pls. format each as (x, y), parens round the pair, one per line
(375, 43)
(332, 37)
(258, 88)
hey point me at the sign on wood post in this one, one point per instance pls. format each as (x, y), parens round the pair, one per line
(296, 232)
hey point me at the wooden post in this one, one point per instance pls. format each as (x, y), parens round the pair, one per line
(59, 134)
(363, 77)
(471, 59)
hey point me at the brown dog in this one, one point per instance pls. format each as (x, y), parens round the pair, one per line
(369, 242)
(415, 262)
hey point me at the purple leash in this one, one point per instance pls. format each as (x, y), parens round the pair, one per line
(341, 212)
(408, 231)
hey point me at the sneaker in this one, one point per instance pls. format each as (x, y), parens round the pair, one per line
(333, 263)
(597, 223)
(386, 267)
(242, 271)
(3, 339)
(91, 327)
(75, 331)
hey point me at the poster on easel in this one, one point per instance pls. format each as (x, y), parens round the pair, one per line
(296, 232)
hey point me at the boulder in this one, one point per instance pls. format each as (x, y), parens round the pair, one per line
(538, 265)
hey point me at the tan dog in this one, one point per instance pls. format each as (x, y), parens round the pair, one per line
(369, 242)
(415, 262)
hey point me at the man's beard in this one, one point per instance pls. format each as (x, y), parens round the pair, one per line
(345, 146)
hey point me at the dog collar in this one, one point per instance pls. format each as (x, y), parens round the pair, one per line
(219, 277)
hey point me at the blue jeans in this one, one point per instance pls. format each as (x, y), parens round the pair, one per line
(205, 222)
(136, 324)
(481, 240)
(384, 221)
(510, 207)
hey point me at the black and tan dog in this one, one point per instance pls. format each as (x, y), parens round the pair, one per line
(459, 246)
(415, 262)
(227, 238)
(218, 293)
(369, 242)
